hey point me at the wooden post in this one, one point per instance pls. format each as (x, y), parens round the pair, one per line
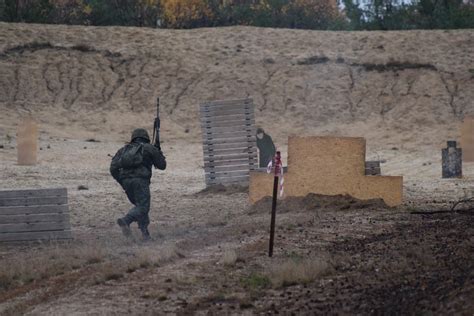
(27, 142)
(272, 224)
(277, 171)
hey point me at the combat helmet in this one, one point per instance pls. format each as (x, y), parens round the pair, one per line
(140, 132)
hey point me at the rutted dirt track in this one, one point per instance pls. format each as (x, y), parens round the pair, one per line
(405, 92)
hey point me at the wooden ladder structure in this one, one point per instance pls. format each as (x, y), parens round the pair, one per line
(229, 143)
(27, 215)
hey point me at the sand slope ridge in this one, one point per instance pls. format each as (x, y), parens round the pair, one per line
(301, 81)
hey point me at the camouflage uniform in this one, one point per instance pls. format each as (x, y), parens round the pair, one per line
(136, 182)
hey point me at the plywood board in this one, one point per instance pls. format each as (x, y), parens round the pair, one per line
(329, 166)
(27, 142)
(467, 139)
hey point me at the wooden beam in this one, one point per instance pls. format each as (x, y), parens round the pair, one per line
(243, 122)
(228, 157)
(228, 174)
(33, 227)
(209, 118)
(25, 201)
(240, 180)
(39, 209)
(34, 218)
(250, 130)
(230, 140)
(222, 152)
(220, 103)
(33, 193)
(227, 146)
(218, 112)
(31, 236)
(246, 161)
(231, 135)
(227, 168)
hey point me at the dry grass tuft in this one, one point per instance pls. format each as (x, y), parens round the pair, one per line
(47, 261)
(91, 254)
(150, 257)
(53, 259)
(108, 272)
(229, 258)
(299, 271)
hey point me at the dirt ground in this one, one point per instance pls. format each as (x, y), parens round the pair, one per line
(405, 92)
(209, 254)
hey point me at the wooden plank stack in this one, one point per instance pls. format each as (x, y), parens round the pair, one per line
(27, 215)
(229, 143)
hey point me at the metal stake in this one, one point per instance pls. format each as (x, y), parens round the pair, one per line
(272, 225)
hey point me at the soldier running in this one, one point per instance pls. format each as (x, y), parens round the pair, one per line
(131, 168)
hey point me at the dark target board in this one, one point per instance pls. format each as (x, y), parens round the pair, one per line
(229, 143)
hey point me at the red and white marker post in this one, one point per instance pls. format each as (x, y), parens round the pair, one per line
(278, 171)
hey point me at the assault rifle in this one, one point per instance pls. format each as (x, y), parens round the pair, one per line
(156, 126)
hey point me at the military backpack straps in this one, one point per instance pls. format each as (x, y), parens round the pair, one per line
(132, 156)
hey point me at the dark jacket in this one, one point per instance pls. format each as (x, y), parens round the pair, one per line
(266, 150)
(152, 156)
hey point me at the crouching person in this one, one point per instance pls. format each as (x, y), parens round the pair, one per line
(131, 168)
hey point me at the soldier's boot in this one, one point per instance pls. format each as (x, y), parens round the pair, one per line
(125, 227)
(145, 234)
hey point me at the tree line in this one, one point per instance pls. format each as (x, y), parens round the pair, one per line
(299, 14)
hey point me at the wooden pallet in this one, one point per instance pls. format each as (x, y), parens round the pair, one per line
(27, 215)
(229, 143)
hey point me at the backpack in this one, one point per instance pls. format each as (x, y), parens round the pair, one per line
(132, 156)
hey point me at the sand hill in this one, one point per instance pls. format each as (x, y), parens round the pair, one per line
(391, 87)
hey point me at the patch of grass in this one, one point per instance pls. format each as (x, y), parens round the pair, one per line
(256, 281)
(313, 60)
(108, 272)
(83, 48)
(294, 255)
(149, 257)
(298, 271)
(5, 281)
(245, 305)
(113, 276)
(47, 261)
(229, 258)
(155, 296)
(216, 222)
(33, 46)
(395, 66)
(91, 254)
(162, 298)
